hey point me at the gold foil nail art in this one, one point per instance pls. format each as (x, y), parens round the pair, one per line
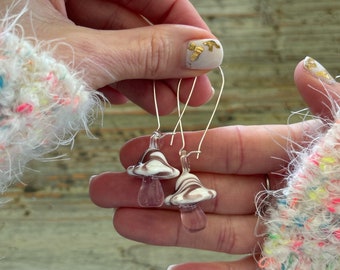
(317, 70)
(197, 50)
(211, 44)
(204, 54)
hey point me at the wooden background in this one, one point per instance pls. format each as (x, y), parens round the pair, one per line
(51, 224)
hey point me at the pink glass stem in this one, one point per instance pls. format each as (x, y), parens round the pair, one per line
(151, 192)
(193, 218)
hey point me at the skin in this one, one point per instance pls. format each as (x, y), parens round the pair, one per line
(106, 38)
(322, 98)
(244, 158)
(110, 42)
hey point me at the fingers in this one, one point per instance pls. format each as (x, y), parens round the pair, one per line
(132, 57)
(112, 95)
(318, 88)
(60, 6)
(237, 149)
(235, 194)
(172, 11)
(229, 234)
(126, 14)
(103, 14)
(153, 52)
(246, 263)
(157, 52)
(146, 52)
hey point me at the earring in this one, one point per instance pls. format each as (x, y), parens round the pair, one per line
(189, 191)
(152, 167)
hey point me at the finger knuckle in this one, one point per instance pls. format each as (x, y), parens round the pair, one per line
(226, 238)
(157, 54)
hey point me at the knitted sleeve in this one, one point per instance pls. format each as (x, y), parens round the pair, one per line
(43, 103)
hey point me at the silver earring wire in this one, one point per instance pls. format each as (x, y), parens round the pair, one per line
(214, 111)
(180, 114)
(156, 105)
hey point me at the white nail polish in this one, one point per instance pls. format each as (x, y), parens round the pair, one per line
(204, 54)
(317, 70)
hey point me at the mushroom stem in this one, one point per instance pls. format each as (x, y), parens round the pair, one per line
(193, 218)
(184, 161)
(151, 192)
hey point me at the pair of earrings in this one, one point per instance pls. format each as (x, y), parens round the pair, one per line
(153, 167)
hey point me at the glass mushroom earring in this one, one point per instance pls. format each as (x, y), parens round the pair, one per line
(151, 168)
(189, 191)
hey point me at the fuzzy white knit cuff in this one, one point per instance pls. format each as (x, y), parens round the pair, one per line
(43, 104)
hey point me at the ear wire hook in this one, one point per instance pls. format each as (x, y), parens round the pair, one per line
(157, 133)
(156, 105)
(213, 113)
(180, 117)
(181, 113)
(182, 152)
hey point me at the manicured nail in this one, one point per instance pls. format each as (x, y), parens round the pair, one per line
(92, 178)
(204, 54)
(317, 70)
(213, 91)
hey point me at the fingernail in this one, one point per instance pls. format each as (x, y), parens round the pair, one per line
(212, 94)
(172, 267)
(92, 178)
(317, 70)
(204, 54)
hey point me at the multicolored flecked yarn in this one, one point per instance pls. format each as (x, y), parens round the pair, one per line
(43, 104)
(303, 228)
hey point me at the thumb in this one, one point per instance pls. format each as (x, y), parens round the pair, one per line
(152, 52)
(317, 87)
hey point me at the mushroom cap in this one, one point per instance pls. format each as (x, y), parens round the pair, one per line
(189, 191)
(154, 164)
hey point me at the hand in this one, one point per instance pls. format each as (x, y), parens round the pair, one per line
(244, 157)
(117, 49)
